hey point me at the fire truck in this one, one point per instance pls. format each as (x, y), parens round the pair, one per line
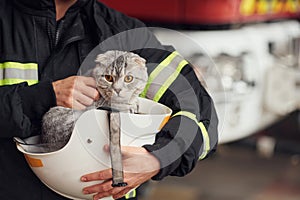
(246, 52)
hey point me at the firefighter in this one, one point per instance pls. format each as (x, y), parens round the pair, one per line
(42, 45)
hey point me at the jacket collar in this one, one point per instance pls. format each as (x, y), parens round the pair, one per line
(43, 7)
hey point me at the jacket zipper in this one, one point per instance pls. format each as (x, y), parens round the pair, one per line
(58, 32)
(56, 42)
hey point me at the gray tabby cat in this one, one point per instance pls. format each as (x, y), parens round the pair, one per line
(120, 77)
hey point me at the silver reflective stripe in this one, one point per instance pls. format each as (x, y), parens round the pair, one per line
(163, 76)
(14, 72)
(30, 74)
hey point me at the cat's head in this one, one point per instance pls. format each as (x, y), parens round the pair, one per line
(120, 76)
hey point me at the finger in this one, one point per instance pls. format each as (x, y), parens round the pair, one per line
(128, 151)
(106, 148)
(101, 175)
(87, 86)
(88, 81)
(101, 195)
(78, 106)
(83, 99)
(97, 97)
(88, 91)
(104, 187)
(121, 194)
(114, 191)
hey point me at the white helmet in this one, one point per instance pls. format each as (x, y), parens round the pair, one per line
(61, 170)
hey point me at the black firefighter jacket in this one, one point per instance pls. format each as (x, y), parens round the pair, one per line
(31, 38)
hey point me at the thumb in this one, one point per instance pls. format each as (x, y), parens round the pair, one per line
(126, 151)
(129, 151)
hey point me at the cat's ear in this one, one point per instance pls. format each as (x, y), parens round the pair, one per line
(139, 60)
(102, 59)
(97, 71)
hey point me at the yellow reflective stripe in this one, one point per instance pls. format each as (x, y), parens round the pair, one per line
(17, 65)
(206, 140)
(16, 81)
(169, 81)
(131, 194)
(157, 70)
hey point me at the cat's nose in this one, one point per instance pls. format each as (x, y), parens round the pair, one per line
(118, 91)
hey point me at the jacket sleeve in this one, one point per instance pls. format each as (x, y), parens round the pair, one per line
(22, 107)
(191, 133)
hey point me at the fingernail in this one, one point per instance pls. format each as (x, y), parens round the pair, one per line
(85, 192)
(83, 179)
(106, 147)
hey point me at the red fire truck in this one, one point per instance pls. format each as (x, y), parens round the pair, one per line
(207, 12)
(247, 51)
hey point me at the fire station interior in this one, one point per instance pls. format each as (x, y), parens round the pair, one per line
(246, 53)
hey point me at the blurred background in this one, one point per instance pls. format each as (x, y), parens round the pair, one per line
(246, 53)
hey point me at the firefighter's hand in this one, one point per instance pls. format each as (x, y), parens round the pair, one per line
(139, 166)
(76, 92)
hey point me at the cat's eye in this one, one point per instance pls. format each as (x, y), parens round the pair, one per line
(128, 78)
(109, 78)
